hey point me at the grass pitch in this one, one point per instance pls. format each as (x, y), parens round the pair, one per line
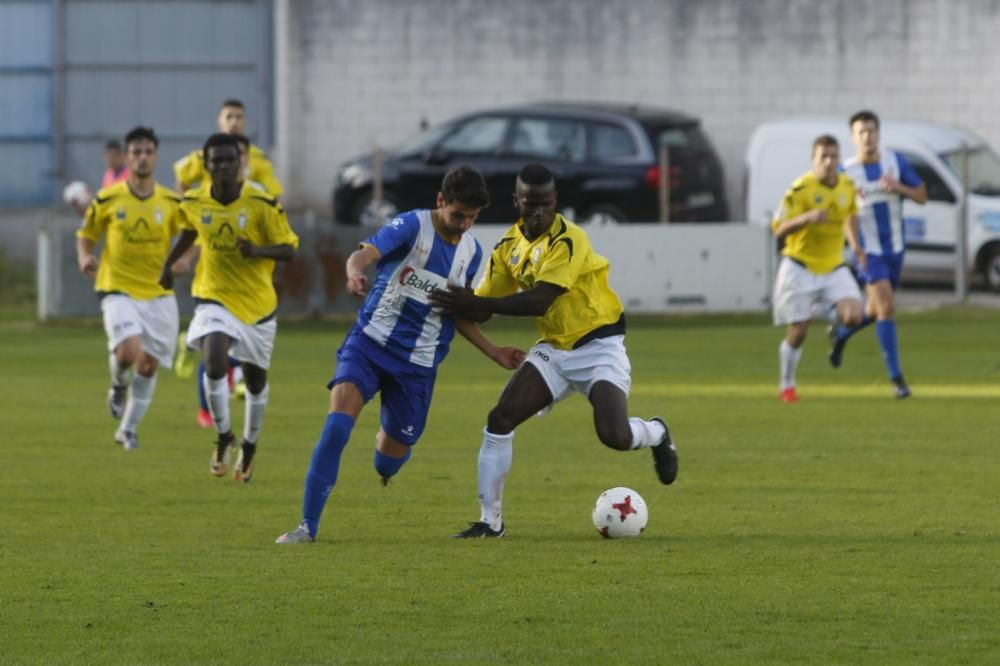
(850, 528)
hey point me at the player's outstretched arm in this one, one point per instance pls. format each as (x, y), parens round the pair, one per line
(532, 303)
(360, 259)
(280, 252)
(85, 256)
(506, 357)
(184, 242)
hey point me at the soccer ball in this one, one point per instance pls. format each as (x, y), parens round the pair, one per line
(76, 194)
(620, 512)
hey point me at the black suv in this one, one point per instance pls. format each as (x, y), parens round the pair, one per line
(604, 156)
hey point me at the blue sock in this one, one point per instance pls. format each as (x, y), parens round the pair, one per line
(324, 467)
(387, 466)
(200, 378)
(845, 332)
(885, 331)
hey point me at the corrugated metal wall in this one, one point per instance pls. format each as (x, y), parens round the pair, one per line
(74, 73)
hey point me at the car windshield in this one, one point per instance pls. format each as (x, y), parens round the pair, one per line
(984, 169)
(423, 142)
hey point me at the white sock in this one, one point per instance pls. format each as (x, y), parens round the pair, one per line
(217, 393)
(789, 362)
(254, 411)
(645, 433)
(119, 375)
(140, 395)
(495, 456)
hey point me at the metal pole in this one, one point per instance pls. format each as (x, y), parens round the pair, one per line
(961, 232)
(664, 159)
(377, 191)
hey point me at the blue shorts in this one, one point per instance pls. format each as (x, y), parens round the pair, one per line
(406, 388)
(883, 267)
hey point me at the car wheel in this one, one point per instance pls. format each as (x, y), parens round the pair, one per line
(603, 214)
(991, 268)
(366, 214)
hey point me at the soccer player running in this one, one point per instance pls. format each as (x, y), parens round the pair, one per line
(814, 217)
(883, 179)
(242, 232)
(191, 169)
(138, 218)
(400, 338)
(545, 267)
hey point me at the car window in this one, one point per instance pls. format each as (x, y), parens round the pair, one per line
(422, 142)
(549, 138)
(984, 169)
(479, 135)
(610, 141)
(937, 189)
(689, 137)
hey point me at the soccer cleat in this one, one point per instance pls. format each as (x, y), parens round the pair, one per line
(128, 440)
(480, 530)
(220, 456)
(902, 390)
(384, 480)
(184, 363)
(243, 471)
(204, 418)
(299, 535)
(116, 400)
(665, 456)
(836, 346)
(789, 395)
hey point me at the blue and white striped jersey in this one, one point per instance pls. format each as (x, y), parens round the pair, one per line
(880, 213)
(414, 261)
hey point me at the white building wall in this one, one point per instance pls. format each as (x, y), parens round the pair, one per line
(360, 72)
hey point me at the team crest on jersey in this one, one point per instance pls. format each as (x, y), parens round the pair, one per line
(537, 253)
(843, 201)
(120, 214)
(158, 216)
(818, 198)
(206, 218)
(242, 219)
(515, 259)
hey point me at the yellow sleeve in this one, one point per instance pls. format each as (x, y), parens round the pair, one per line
(189, 169)
(279, 232)
(263, 172)
(184, 217)
(852, 209)
(497, 280)
(563, 263)
(787, 209)
(93, 225)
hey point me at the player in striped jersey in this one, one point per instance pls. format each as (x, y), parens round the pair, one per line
(883, 179)
(400, 339)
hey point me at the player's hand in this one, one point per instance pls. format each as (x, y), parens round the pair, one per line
(357, 284)
(166, 278)
(819, 216)
(454, 299)
(510, 358)
(888, 184)
(181, 266)
(246, 248)
(862, 260)
(88, 265)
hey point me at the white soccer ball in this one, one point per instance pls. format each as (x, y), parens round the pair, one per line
(620, 512)
(76, 193)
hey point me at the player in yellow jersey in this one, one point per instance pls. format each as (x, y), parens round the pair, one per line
(817, 213)
(545, 267)
(191, 170)
(137, 219)
(242, 232)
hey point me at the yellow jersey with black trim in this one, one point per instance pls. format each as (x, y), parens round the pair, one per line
(562, 256)
(819, 246)
(243, 286)
(137, 237)
(190, 171)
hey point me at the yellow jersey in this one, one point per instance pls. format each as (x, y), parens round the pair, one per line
(138, 234)
(243, 286)
(819, 246)
(562, 256)
(190, 171)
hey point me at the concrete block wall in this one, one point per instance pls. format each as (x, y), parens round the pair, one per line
(353, 73)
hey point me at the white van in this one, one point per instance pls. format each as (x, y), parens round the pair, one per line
(779, 152)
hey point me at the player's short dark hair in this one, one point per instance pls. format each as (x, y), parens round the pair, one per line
(113, 144)
(140, 133)
(243, 140)
(864, 116)
(536, 174)
(232, 101)
(217, 140)
(466, 186)
(824, 140)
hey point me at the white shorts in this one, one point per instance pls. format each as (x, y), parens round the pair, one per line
(797, 289)
(252, 343)
(603, 359)
(155, 321)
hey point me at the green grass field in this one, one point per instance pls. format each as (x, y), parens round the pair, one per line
(850, 528)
